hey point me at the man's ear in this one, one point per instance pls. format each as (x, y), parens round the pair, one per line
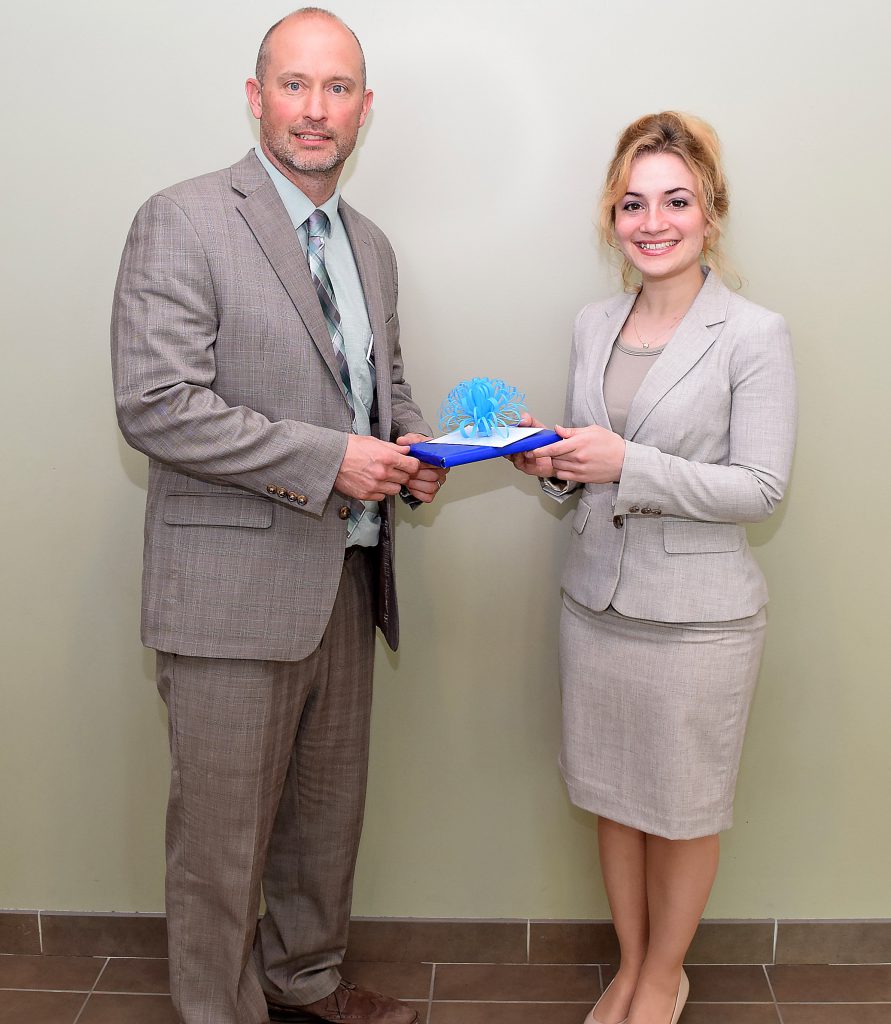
(254, 92)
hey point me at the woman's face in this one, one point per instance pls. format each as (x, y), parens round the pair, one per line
(660, 225)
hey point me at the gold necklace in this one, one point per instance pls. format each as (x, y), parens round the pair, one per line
(665, 330)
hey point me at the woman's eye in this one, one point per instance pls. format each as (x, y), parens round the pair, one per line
(632, 207)
(679, 204)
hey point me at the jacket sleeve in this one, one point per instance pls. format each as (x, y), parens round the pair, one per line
(560, 490)
(407, 416)
(762, 438)
(164, 326)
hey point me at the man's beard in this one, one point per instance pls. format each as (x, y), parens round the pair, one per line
(279, 144)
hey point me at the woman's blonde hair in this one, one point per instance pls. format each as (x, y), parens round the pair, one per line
(696, 143)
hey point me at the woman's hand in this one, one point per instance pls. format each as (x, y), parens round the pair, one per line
(588, 455)
(527, 462)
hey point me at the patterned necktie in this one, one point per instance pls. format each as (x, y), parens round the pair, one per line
(317, 227)
(317, 230)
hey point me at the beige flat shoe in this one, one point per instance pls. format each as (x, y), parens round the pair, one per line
(681, 1001)
(592, 1018)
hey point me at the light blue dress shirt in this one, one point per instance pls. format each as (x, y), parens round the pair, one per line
(357, 337)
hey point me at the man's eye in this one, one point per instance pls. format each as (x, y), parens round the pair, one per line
(293, 86)
(338, 89)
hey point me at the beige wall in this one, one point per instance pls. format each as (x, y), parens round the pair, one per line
(492, 125)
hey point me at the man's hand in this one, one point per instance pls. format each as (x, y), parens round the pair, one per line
(426, 482)
(373, 469)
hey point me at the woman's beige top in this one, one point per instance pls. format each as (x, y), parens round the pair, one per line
(624, 374)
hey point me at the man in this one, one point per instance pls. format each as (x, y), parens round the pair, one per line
(257, 362)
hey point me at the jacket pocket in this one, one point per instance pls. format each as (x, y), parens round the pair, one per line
(687, 536)
(218, 510)
(581, 516)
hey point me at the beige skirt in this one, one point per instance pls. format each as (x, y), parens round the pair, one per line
(654, 716)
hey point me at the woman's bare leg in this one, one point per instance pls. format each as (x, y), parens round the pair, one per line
(623, 856)
(679, 877)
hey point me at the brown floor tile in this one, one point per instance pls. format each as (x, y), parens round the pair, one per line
(104, 934)
(523, 982)
(836, 1013)
(739, 983)
(438, 941)
(40, 1007)
(114, 1009)
(812, 983)
(507, 1013)
(127, 974)
(66, 973)
(730, 1013)
(402, 981)
(715, 983)
(572, 942)
(19, 932)
(834, 942)
(422, 1007)
(732, 942)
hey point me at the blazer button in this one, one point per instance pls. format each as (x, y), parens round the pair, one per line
(292, 496)
(270, 489)
(344, 512)
(634, 508)
(646, 511)
(657, 511)
(281, 492)
(618, 522)
(301, 499)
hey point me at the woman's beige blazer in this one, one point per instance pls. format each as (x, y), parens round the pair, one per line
(710, 437)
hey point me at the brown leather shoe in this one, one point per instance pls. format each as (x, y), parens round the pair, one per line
(347, 1004)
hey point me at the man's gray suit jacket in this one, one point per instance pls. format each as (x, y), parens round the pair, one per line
(225, 376)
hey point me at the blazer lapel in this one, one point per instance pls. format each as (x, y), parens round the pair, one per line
(695, 334)
(369, 275)
(614, 315)
(267, 218)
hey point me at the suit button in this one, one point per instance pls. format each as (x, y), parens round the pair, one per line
(292, 496)
(618, 522)
(657, 511)
(344, 512)
(646, 511)
(270, 489)
(634, 508)
(301, 499)
(281, 492)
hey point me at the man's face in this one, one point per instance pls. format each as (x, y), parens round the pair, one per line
(312, 101)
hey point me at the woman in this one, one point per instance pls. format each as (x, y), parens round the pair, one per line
(680, 420)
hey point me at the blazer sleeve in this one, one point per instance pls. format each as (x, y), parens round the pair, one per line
(763, 423)
(560, 490)
(164, 325)
(407, 416)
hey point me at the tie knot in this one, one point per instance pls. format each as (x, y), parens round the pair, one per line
(317, 223)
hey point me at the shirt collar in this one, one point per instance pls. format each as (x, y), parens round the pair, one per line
(298, 206)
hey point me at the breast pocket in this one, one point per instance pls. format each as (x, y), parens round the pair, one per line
(687, 537)
(242, 510)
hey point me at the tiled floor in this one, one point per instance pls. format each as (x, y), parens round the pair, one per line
(122, 990)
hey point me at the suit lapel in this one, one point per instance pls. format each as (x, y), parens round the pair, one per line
(695, 334)
(369, 276)
(267, 218)
(614, 315)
